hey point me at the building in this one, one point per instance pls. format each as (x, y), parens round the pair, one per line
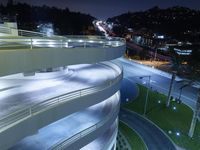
(73, 107)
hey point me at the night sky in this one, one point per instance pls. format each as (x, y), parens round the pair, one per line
(103, 9)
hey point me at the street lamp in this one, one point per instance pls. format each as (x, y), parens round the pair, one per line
(195, 116)
(188, 83)
(170, 89)
(181, 88)
(146, 99)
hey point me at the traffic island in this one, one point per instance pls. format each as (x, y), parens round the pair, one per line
(174, 121)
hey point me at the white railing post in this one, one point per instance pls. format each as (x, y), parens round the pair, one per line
(31, 43)
(104, 44)
(30, 111)
(61, 42)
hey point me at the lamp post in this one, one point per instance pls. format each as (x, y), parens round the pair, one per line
(195, 116)
(147, 94)
(179, 98)
(170, 89)
(187, 83)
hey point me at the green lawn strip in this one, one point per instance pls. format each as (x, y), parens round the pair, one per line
(168, 119)
(132, 137)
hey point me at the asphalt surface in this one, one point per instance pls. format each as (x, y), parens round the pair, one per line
(152, 136)
(69, 126)
(153, 141)
(128, 90)
(103, 141)
(159, 82)
(17, 92)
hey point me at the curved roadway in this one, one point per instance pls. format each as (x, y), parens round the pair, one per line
(21, 92)
(103, 142)
(160, 81)
(154, 138)
(68, 126)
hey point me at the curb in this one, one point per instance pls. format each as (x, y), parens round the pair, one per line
(138, 90)
(136, 133)
(157, 71)
(154, 125)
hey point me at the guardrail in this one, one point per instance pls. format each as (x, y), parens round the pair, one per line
(5, 30)
(31, 33)
(9, 43)
(25, 113)
(66, 142)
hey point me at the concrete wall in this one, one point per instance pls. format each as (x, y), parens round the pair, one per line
(8, 29)
(18, 61)
(93, 135)
(10, 24)
(31, 124)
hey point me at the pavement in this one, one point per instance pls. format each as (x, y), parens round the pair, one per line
(69, 126)
(153, 137)
(103, 141)
(160, 81)
(128, 90)
(17, 92)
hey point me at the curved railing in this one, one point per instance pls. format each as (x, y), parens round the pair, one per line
(9, 43)
(66, 142)
(5, 30)
(25, 113)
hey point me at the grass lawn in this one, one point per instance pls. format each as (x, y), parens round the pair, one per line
(177, 118)
(134, 140)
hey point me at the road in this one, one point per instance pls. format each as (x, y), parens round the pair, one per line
(103, 141)
(143, 127)
(17, 92)
(68, 126)
(159, 81)
(128, 90)
(152, 136)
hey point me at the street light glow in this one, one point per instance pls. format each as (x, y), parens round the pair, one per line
(170, 132)
(178, 133)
